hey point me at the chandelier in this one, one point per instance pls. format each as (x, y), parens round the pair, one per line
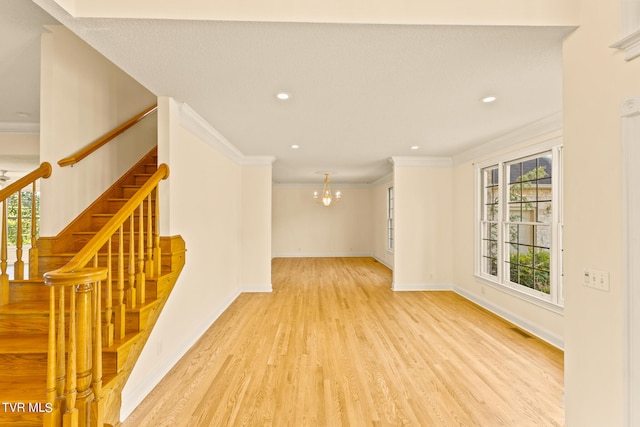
(327, 196)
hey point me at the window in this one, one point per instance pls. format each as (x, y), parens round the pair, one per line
(519, 227)
(390, 218)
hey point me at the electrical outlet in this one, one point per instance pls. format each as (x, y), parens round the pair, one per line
(597, 279)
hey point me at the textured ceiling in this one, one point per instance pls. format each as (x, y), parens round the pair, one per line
(360, 93)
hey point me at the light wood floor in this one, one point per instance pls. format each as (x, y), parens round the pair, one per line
(332, 345)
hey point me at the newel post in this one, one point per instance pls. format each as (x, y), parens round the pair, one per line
(81, 388)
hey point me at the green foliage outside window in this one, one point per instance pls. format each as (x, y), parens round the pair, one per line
(530, 268)
(12, 218)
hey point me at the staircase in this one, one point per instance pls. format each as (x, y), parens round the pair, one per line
(127, 316)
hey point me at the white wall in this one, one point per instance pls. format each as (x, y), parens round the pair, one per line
(303, 228)
(84, 96)
(256, 228)
(596, 81)
(423, 227)
(222, 211)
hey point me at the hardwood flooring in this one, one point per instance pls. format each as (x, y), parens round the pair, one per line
(332, 345)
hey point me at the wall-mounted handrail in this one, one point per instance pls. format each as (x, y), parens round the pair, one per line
(95, 145)
(17, 187)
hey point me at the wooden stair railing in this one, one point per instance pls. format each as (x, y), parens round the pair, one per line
(44, 171)
(74, 385)
(95, 145)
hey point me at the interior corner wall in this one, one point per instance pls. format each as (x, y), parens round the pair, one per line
(303, 228)
(205, 190)
(596, 81)
(84, 96)
(423, 228)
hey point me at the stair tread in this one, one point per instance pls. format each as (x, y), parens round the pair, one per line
(33, 307)
(21, 344)
(27, 281)
(29, 388)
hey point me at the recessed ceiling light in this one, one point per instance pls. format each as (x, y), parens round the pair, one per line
(488, 99)
(295, 146)
(414, 147)
(283, 96)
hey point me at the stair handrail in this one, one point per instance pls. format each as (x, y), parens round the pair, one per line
(43, 171)
(82, 258)
(74, 386)
(95, 145)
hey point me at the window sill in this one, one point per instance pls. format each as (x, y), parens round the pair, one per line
(521, 295)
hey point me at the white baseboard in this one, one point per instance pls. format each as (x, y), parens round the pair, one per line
(135, 396)
(258, 288)
(383, 262)
(421, 287)
(322, 255)
(532, 328)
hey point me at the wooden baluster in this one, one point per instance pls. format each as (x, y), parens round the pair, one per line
(18, 266)
(148, 268)
(97, 406)
(61, 351)
(140, 277)
(84, 350)
(33, 250)
(119, 321)
(107, 332)
(131, 286)
(50, 417)
(70, 417)
(4, 277)
(157, 253)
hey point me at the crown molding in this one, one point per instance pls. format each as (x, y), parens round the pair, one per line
(387, 179)
(421, 162)
(334, 185)
(537, 129)
(194, 123)
(630, 45)
(19, 127)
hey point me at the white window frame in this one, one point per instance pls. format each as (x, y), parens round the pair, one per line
(555, 300)
(390, 218)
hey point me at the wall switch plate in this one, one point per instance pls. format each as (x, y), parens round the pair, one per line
(596, 279)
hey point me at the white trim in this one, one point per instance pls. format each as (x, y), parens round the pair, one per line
(543, 127)
(194, 123)
(630, 45)
(630, 122)
(19, 127)
(421, 162)
(267, 287)
(385, 180)
(383, 262)
(545, 335)
(401, 287)
(322, 255)
(630, 24)
(513, 291)
(135, 396)
(555, 302)
(317, 185)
